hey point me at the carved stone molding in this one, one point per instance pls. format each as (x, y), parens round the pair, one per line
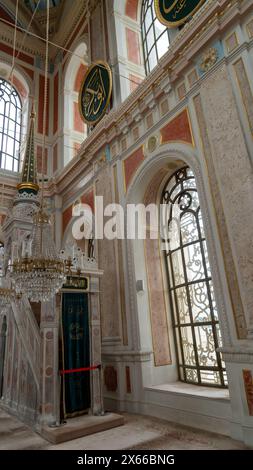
(208, 59)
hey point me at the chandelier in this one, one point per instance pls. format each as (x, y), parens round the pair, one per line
(5, 297)
(5, 292)
(39, 272)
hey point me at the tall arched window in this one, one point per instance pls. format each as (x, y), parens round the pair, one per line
(194, 310)
(155, 36)
(10, 126)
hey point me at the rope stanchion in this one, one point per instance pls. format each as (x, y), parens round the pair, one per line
(82, 369)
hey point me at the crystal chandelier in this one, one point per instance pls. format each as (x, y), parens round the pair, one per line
(40, 273)
(5, 297)
(5, 292)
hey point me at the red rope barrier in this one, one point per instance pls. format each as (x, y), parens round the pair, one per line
(82, 369)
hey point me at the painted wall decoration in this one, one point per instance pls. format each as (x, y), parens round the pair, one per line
(110, 378)
(173, 13)
(95, 93)
(248, 385)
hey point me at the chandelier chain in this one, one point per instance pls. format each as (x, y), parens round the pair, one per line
(45, 106)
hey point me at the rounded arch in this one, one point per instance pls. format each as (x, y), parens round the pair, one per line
(75, 130)
(23, 85)
(80, 56)
(157, 169)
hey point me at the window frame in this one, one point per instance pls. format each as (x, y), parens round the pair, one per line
(173, 287)
(146, 6)
(10, 96)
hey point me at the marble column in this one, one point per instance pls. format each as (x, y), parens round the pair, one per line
(50, 390)
(2, 352)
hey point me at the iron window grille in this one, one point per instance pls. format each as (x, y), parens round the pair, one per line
(192, 298)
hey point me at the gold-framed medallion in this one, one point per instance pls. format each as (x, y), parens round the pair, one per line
(95, 92)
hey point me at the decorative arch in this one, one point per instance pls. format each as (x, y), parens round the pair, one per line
(75, 130)
(148, 330)
(23, 85)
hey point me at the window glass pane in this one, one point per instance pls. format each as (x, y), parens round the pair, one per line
(152, 59)
(188, 346)
(194, 262)
(205, 346)
(150, 39)
(189, 231)
(162, 45)
(9, 162)
(191, 375)
(148, 18)
(15, 167)
(178, 270)
(159, 28)
(200, 304)
(183, 305)
(210, 377)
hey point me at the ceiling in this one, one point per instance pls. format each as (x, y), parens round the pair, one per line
(56, 7)
(32, 4)
(64, 16)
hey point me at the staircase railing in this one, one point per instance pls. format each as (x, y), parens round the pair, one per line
(29, 334)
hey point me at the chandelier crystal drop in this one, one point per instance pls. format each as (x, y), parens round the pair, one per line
(5, 297)
(5, 292)
(40, 273)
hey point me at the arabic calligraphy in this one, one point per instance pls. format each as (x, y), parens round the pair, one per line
(181, 5)
(95, 92)
(173, 13)
(168, 9)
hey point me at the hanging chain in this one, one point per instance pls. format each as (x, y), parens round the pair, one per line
(11, 77)
(45, 107)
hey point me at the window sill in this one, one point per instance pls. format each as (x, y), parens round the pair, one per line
(180, 388)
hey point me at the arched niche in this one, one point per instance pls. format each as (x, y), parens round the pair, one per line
(150, 310)
(75, 130)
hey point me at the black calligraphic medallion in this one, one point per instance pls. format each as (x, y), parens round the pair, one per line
(95, 93)
(173, 13)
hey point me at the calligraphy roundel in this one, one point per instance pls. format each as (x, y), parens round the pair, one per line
(173, 13)
(95, 93)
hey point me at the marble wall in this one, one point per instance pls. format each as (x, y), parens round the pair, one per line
(233, 170)
(109, 302)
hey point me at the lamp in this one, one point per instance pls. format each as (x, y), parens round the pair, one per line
(39, 272)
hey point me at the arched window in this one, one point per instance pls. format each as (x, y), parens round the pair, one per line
(194, 310)
(10, 126)
(155, 36)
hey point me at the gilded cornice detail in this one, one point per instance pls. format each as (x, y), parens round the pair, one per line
(213, 18)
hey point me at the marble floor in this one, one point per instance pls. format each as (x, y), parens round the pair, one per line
(138, 432)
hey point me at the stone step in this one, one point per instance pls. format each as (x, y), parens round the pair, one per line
(82, 426)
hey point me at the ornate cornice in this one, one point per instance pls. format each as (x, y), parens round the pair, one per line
(69, 16)
(34, 47)
(239, 355)
(212, 20)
